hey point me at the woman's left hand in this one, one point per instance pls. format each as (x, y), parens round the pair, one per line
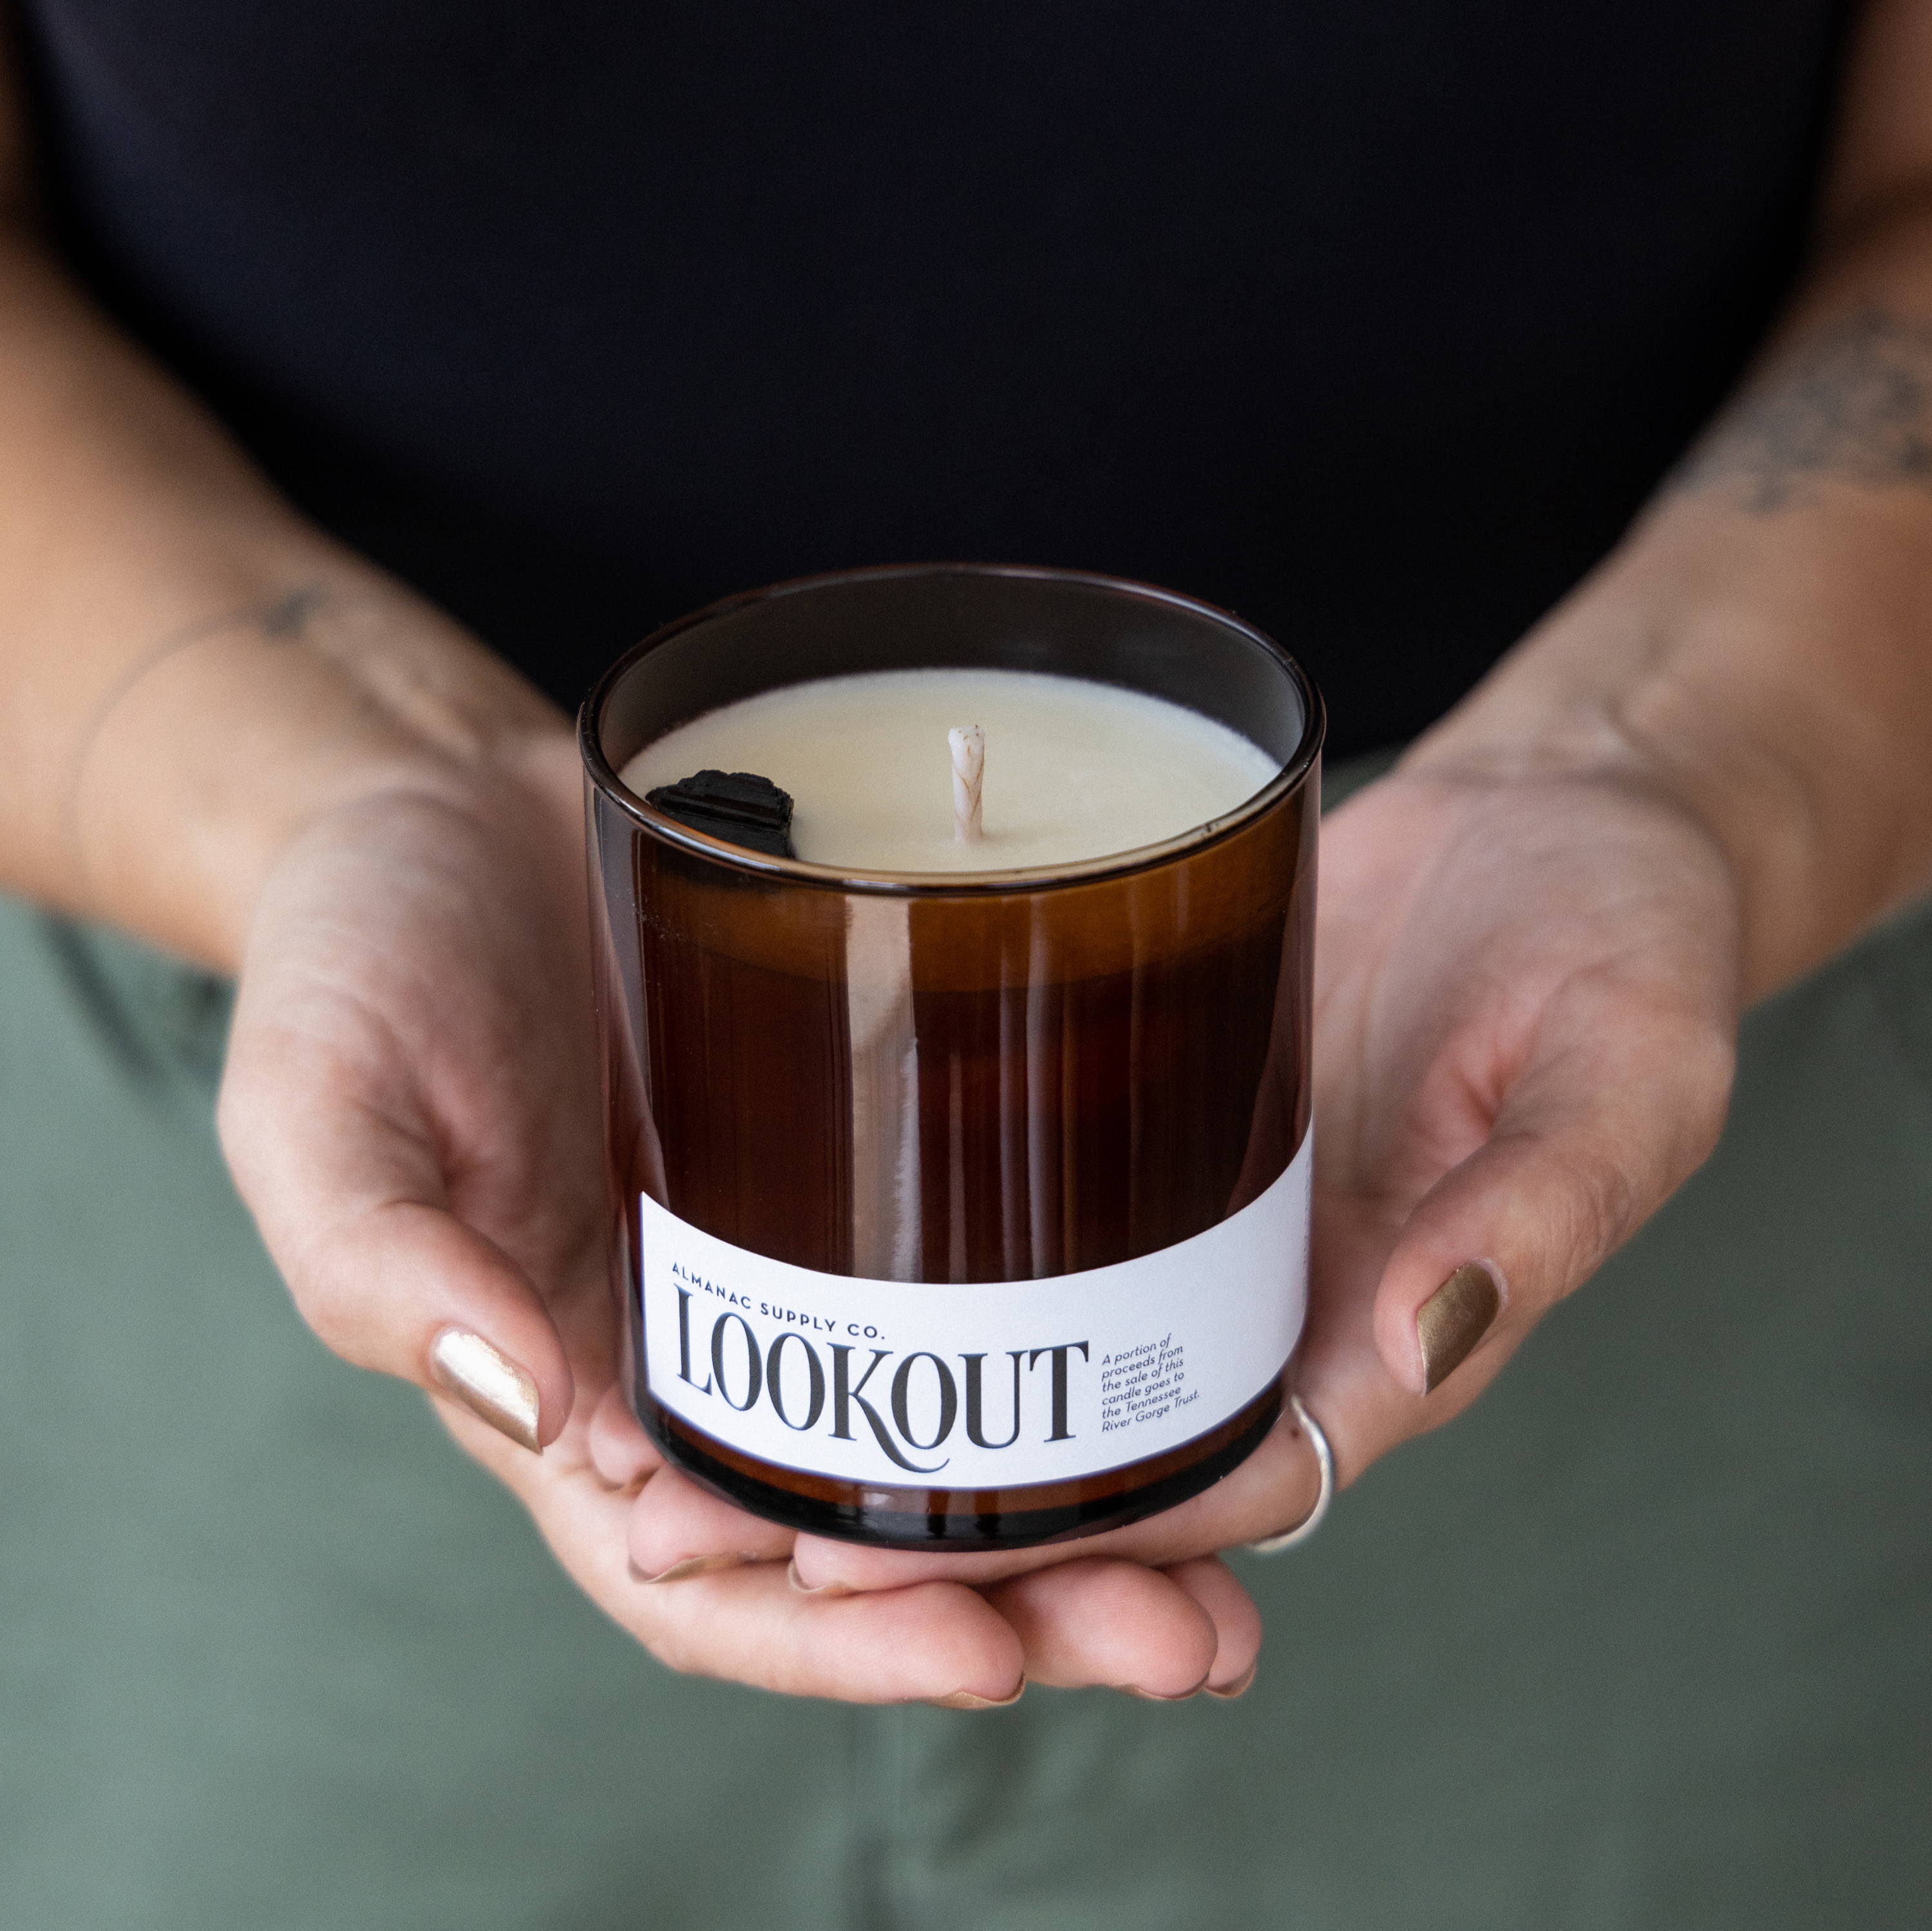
(1525, 1016)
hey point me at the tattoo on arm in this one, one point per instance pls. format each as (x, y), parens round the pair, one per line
(1852, 404)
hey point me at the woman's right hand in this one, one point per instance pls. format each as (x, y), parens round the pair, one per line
(411, 1109)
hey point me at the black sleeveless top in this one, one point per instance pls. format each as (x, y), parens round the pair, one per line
(1374, 319)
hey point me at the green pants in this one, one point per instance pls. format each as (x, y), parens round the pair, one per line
(1642, 1642)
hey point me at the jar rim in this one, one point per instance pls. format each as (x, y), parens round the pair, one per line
(1292, 775)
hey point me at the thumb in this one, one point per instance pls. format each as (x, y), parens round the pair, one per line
(353, 1206)
(1593, 1135)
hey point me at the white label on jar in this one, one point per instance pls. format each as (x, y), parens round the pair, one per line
(985, 1385)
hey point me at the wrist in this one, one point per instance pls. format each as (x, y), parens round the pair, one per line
(236, 731)
(1706, 712)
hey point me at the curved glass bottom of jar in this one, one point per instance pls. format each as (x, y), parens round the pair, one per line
(965, 1521)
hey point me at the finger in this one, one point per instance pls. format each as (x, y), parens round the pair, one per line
(1588, 1145)
(748, 1624)
(352, 1207)
(675, 1527)
(620, 1451)
(1273, 1490)
(934, 1644)
(1100, 1622)
(1237, 1622)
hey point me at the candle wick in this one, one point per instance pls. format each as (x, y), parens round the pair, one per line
(968, 744)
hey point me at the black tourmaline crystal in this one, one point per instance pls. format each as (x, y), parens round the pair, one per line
(738, 806)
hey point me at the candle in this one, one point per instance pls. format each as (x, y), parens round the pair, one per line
(1074, 770)
(961, 1186)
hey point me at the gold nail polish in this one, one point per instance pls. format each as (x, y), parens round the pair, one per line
(691, 1565)
(1240, 1686)
(815, 1588)
(1454, 1319)
(964, 1699)
(487, 1383)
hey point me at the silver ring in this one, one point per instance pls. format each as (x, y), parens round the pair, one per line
(1324, 1458)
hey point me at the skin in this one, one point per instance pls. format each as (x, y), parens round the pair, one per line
(1702, 775)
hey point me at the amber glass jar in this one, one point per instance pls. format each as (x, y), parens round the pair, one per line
(967, 1209)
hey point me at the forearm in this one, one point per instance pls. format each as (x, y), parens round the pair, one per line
(188, 671)
(1759, 647)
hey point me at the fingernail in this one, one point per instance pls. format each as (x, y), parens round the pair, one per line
(964, 1699)
(1240, 1686)
(1153, 1696)
(691, 1565)
(1454, 1319)
(814, 1588)
(487, 1383)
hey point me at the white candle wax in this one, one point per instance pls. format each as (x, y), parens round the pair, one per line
(1074, 770)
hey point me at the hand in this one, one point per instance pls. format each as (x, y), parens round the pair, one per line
(411, 1109)
(1527, 995)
